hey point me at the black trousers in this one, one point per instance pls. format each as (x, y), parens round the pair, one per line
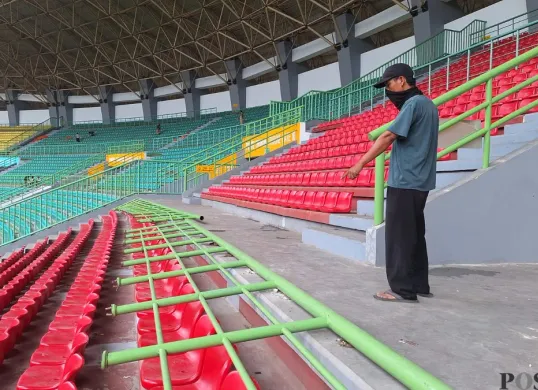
(405, 242)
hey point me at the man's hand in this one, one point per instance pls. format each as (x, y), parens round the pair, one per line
(353, 172)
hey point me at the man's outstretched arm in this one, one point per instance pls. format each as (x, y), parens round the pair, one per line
(380, 145)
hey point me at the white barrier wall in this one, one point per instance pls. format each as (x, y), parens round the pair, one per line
(262, 94)
(4, 119)
(33, 116)
(126, 111)
(373, 59)
(84, 114)
(320, 79)
(496, 13)
(221, 101)
(172, 106)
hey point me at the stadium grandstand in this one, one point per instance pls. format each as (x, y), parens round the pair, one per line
(175, 211)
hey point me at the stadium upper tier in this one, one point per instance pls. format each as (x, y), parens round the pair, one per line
(11, 136)
(171, 130)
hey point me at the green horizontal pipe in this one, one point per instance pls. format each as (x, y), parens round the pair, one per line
(237, 336)
(145, 233)
(167, 245)
(480, 133)
(171, 256)
(171, 301)
(150, 238)
(136, 231)
(483, 78)
(181, 272)
(161, 219)
(405, 371)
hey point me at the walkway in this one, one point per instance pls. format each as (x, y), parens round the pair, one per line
(481, 322)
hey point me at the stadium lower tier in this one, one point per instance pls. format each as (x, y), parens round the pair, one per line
(22, 219)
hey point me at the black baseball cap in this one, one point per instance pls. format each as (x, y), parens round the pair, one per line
(394, 71)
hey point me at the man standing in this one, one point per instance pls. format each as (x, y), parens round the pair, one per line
(413, 135)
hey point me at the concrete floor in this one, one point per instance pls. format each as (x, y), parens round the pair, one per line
(482, 321)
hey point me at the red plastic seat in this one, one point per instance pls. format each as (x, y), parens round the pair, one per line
(185, 367)
(58, 354)
(50, 377)
(233, 381)
(215, 367)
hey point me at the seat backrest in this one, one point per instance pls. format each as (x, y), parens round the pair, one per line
(72, 367)
(233, 381)
(217, 363)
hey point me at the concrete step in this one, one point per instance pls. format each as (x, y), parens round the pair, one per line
(444, 179)
(496, 151)
(459, 165)
(347, 243)
(518, 128)
(366, 207)
(530, 118)
(518, 137)
(349, 221)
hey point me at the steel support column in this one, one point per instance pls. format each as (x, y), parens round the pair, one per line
(349, 49)
(65, 109)
(432, 19)
(288, 73)
(190, 92)
(108, 108)
(237, 85)
(52, 103)
(147, 96)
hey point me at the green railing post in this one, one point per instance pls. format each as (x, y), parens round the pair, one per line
(379, 189)
(487, 124)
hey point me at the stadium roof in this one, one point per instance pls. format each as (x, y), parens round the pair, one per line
(81, 44)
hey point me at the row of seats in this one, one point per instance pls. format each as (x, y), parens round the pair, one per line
(58, 358)
(335, 151)
(50, 208)
(320, 164)
(11, 259)
(22, 262)
(22, 272)
(326, 202)
(366, 178)
(202, 369)
(27, 306)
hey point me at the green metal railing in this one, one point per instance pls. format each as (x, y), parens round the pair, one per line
(440, 51)
(207, 139)
(318, 104)
(508, 25)
(84, 148)
(206, 112)
(217, 163)
(179, 231)
(484, 132)
(31, 131)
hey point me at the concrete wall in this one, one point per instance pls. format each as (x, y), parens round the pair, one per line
(83, 114)
(373, 59)
(324, 78)
(488, 217)
(33, 116)
(262, 94)
(125, 111)
(172, 106)
(4, 118)
(495, 13)
(221, 101)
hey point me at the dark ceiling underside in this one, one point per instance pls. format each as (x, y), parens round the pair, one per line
(80, 44)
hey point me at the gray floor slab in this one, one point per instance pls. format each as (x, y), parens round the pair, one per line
(482, 321)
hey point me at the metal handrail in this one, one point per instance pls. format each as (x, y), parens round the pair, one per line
(485, 78)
